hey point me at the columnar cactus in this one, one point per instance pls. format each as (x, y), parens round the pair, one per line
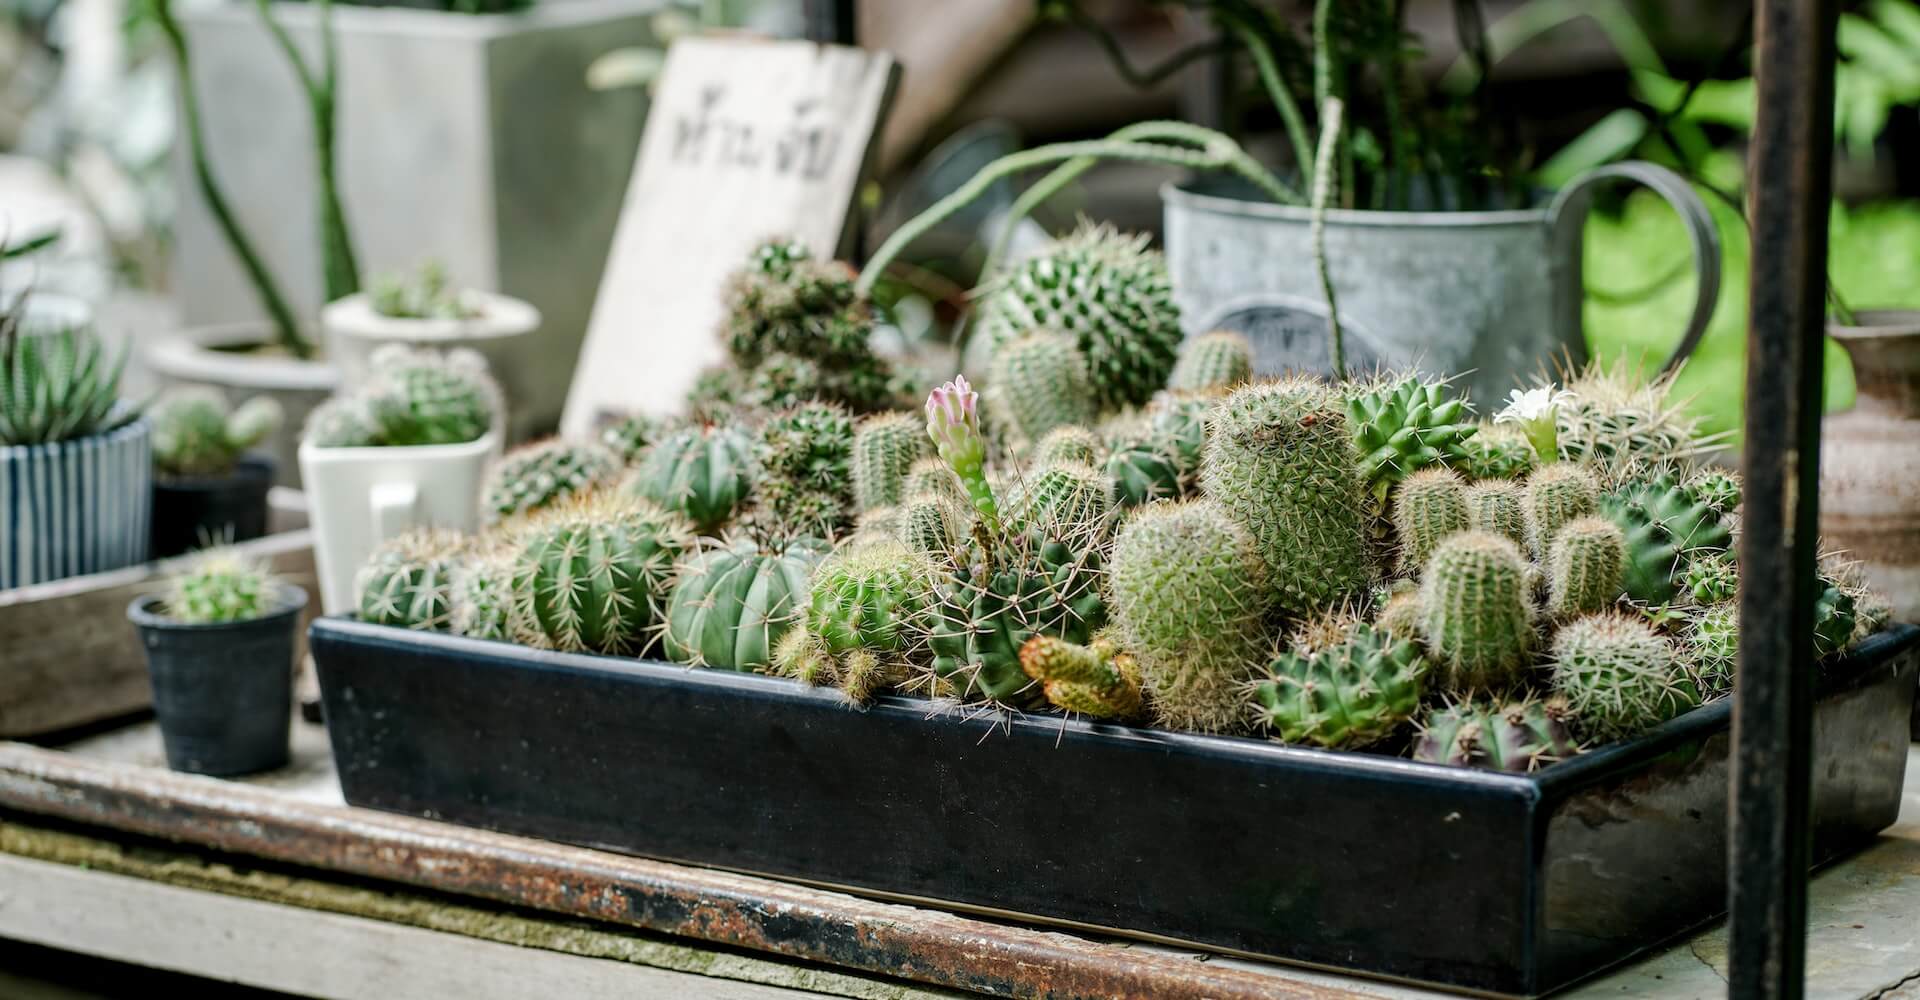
(221, 585)
(1096, 680)
(1188, 592)
(702, 472)
(1279, 461)
(1068, 444)
(195, 436)
(1429, 507)
(543, 473)
(1403, 426)
(865, 620)
(1518, 737)
(1350, 694)
(731, 603)
(953, 422)
(408, 580)
(1221, 359)
(1040, 380)
(1586, 567)
(592, 573)
(806, 472)
(885, 448)
(483, 598)
(1556, 494)
(1475, 613)
(1618, 676)
(1498, 507)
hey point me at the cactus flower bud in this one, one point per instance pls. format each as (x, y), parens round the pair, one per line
(953, 422)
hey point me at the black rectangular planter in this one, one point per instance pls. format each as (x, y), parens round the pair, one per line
(1492, 882)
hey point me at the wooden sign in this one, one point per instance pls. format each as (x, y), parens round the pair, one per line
(747, 139)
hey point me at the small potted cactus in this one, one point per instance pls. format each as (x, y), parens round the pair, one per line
(407, 448)
(207, 485)
(219, 645)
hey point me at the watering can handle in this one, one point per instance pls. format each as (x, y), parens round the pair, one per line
(1567, 217)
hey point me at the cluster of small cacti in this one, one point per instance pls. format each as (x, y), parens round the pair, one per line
(196, 436)
(1131, 527)
(410, 398)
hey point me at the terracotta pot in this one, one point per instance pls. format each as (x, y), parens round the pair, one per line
(1870, 457)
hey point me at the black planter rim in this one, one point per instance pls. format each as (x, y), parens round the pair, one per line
(250, 468)
(144, 612)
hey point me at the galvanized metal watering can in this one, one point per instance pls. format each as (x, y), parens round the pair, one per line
(1492, 297)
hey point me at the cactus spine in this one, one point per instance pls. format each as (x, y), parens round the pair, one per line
(732, 603)
(483, 599)
(1586, 566)
(931, 476)
(885, 447)
(806, 457)
(1429, 507)
(1041, 381)
(1711, 578)
(703, 473)
(1222, 359)
(592, 573)
(1349, 694)
(1518, 737)
(1475, 614)
(933, 525)
(865, 620)
(1403, 426)
(1068, 444)
(408, 580)
(1618, 676)
(1555, 495)
(629, 436)
(1498, 507)
(1096, 680)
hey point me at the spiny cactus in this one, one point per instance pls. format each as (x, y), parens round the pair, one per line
(1351, 694)
(1188, 590)
(540, 474)
(422, 397)
(885, 447)
(1586, 567)
(1221, 359)
(1833, 619)
(1498, 507)
(702, 472)
(1279, 461)
(1142, 471)
(933, 525)
(1068, 444)
(1556, 494)
(1401, 615)
(1712, 643)
(732, 602)
(1614, 419)
(1108, 293)
(195, 436)
(408, 580)
(801, 320)
(1618, 676)
(1429, 507)
(592, 573)
(424, 293)
(629, 436)
(1403, 426)
(1040, 380)
(1003, 595)
(483, 599)
(782, 381)
(931, 475)
(865, 621)
(1496, 451)
(806, 474)
(1663, 528)
(1475, 613)
(1097, 680)
(1063, 501)
(340, 422)
(1711, 578)
(1178, 425)
(221, 585)
(1719, 489)
(1519, 737)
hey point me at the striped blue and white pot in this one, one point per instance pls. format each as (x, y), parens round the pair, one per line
(75, 507)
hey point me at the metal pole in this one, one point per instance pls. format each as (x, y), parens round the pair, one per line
(831, 22)
(1789, 177)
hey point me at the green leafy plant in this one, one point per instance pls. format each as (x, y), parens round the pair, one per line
(58, 386)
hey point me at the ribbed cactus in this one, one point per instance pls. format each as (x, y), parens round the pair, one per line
(1429, 507)
(865, 620)
(483, 599)
(1040, 380)
(629, 436)
(885, 447)
(1069, 444)
(422, 397)
(1664, 526)
(1719, 489)
(1496, 451)
(195, 436)
(1618, 676)
(1403, 426)
(1711, 577)
(1142, 471)
(1518, 737)
(806, 472)
(1556, 494)
(540, 474)
(731, 603)
(1498, 507)
(931, 475)
(1063, 501)
(1712, 643)
(1002, 596)
(1221, 359)
(1178, 425)
(934, 525)
(1279, 461)
(408, 580)
(1350, 694)
(702, 472)
(592, 573)
(1586, 567)
(800, 320)
(1475, 613)
(1188, 590)
(1096, 680)
(221, 585)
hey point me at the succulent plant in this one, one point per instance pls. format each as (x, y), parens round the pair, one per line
(1141, 471)
(1712, 642)
(885, 447)
(194, 434)
(1040, 381)
(717, 392)
(1063, 500)
(1108, 293)
(1586, 567)
(1556, 494)
(1069, 444)
(1428, 507)
(1496, 451)
(1097, 679)
(1349, 694)
(1498, 507)
(629, 436)
(221, 585)
(1518, 737)
(933, 525)
(782, 381)
(1188, 590)
(1719, 489)
(801, 320)
(1178, 425)
(865, 620)
(408, 580)
(57, 386)
(1619, 677)
(1401, 615)
(1664, 527)
(1001, 596)
(340, 422)
(540, 474)
(423, 397)
(483, 599)
(1834, 616)
(953, 422)
(806, 472)
(592, 572)
(1615, 420)
(731, 603)
(1221, 359)
(704, 472)
(1403, 426)
(1711, 577)
(1475, 613)
(1279, 461)
(931, 476)
(426, 293)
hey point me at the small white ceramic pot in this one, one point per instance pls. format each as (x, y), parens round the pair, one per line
(354, 328)
(360, 497)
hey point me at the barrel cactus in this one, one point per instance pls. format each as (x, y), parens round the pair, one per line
(221, 585)
(732, 602)
(592, 573)
(1556, 494)
(1498, 507)
(1618, 676)
(1475, 613)
(408, 580)
(1096, 680)
(540, 474)
(1063, 500)
(1040, 381)
(934, 525)
(1518, 737)
(806, 472)
(1711, 640)
(885, 448)
(1664, 526)
(1068, 444)
(865, 620)
(1003, 595)
(1403, 426)
(1719, 489)
(704, 472)
(1143, 471)
(1221, 359)
(1350, 694)
(483, 601)
(1429, 507)
(196, 436)
(1615, 420)
(1586, 567)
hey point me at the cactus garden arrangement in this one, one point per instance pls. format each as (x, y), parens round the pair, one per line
(1122, 524)
(413, 397)
(195, 434)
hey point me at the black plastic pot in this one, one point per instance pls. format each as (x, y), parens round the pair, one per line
(1497, 883)
(190, 513)
(223, 693)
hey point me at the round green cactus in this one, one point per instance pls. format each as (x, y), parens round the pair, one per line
(1518, 737)
(1496, 451)
(802, 331)
(540, 474)
(1614, 418)
(1719, 489)
(1498, 507)
(1401, 615)
(702, 472)
(1142, 471)
(934, 525)
(341, 422)
(408, 580)
(630, 436)
(1712, 642)
(219, 586)
(1349, 694)
(1040, 380)
(1556, 494)
(1279, 461)
(806, 472)
(1711, 577)
(1403, 426)
(1221, 359)
(1586, 567)
(1664, 527)
(1429, 507)
(1005, 595)
(931, 476)
(195, 436)
(483, 599)
(872, 595)
(1063, 501)
(1188, 592)
(1069, 443)
(425, 398)
(885, 448)
(1475, 613)
(592, 573)
(1618, 676)
(1097, 679)
(732, 603)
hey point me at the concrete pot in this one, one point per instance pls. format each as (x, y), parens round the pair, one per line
(473, 140)
(1870, 457)
(230, 358)
(498, 330)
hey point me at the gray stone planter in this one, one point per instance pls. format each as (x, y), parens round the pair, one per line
(470, 139)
